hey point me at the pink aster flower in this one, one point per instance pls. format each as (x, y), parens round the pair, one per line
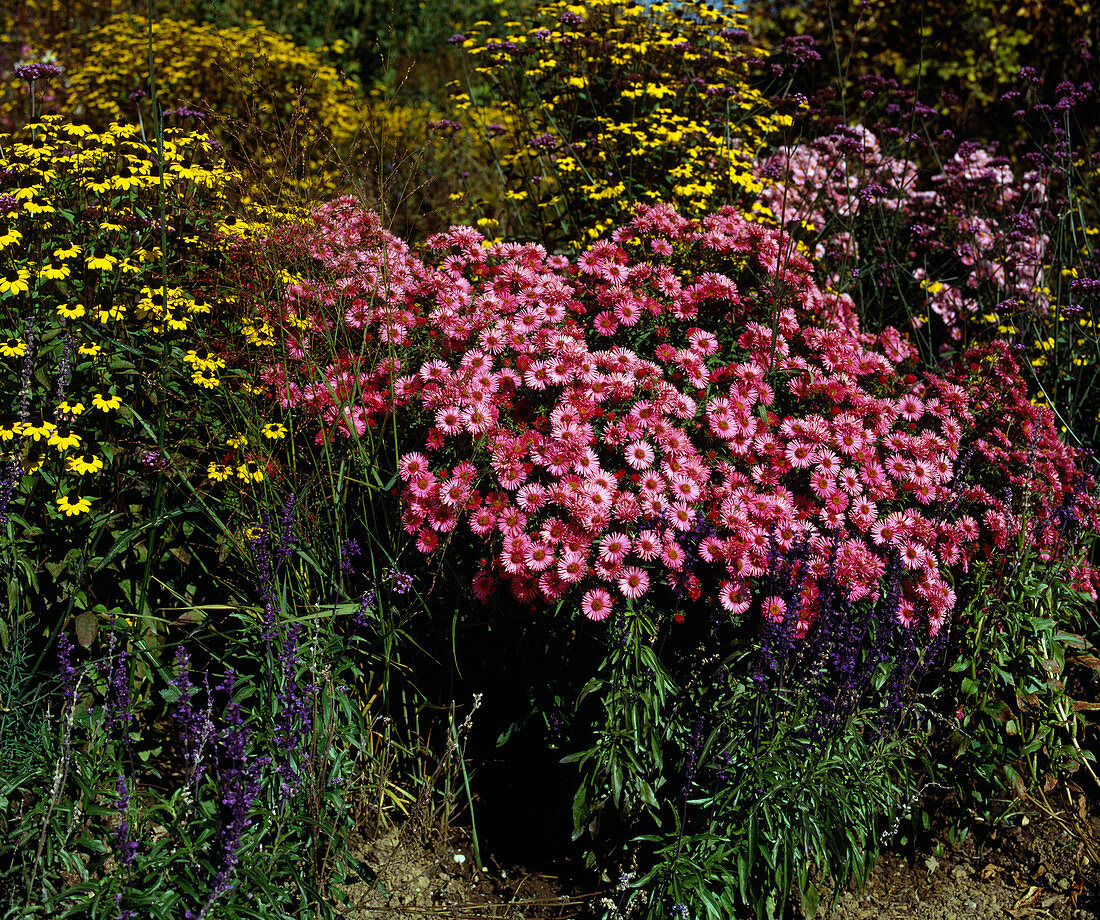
(734, 597)
(633, 582)
(774, 609)
(613, 548)
(596, 604)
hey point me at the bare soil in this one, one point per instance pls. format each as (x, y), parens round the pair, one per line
(1040, 859)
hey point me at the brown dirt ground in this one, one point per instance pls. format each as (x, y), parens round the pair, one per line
(1038, 860)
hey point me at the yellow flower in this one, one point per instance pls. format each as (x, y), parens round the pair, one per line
(219, 472)
(37, 430)
(84, 463)
(237, 442)
(17, 283)
(106, 403)
(70, 311)
(67, 252)
(88, 349)
(54, 272)
(63, 438)
(33, 459)
(8, 432)
(80, 506)
(206, 378)
(274, 431)
(13, 348)
(105, 261)
(250, 471)
(114, 312)
(67, 408)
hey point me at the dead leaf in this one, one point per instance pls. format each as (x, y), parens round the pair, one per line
(990, 870)
(1030, 898)
(87, 628)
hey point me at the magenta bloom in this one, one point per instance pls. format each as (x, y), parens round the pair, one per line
(596, 604)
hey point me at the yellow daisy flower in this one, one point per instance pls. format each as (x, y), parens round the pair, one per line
(219, 472)
(67, 252)
(33, 459)
(13, 348)
(274, 431)
(88, 349)
(106, 403)
(37, 430)
(104, 262)
(70, 311)
(54, 272)
(67, 408)
(237, 442)
(80, 506)
(84, 463)
(206, 378)
(63, 438)
(250, 471)
(17, 282)
(8, 432)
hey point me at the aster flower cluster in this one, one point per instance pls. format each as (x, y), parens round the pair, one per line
(680, 408)
(987, 222)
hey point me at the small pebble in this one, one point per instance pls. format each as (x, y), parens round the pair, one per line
(460, 858)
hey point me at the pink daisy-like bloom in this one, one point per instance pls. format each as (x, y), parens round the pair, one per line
(639, 455)
(799, 454)
(913, 555)
(606, 323)
(633, 582)
(734, 597)
(449, 419)
(483, 522)
(910, 408)
(411, 465)
(571, 567)
(596, 604)
(647, 545)
(538, 556)
(906, 613)
(774, 609)
(672, 556)
(613, 548)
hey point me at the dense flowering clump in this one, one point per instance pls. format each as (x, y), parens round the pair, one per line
(595, 106)
(680, 408)
(971, 231)
(285, 117)
(95, 339)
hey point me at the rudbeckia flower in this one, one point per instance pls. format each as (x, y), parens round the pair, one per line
(84, 463)
(250, 471)
(106, 403)
(80, 506)
(63, 438)
(89, 350)
(67, 408)
(274, 431)
(219, 472)
(70, 310)
(206, 378)
(13, 348)
(16, 282)
(37, 430)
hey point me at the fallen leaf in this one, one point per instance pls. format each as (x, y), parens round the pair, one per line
(990, 870)
(1030, 898)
